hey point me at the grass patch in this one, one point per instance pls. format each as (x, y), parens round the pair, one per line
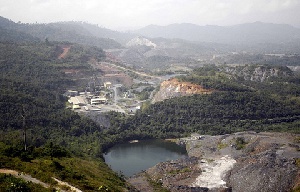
(52, 161)
(85, 174)
(297, 161)
(222, 145)
(240, 143)
(210, 160)
(10, 183)
(177, 171)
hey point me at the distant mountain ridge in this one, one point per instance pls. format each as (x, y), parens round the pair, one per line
(248, 33)
(74, 32)
(85, 33)
(100, 32)
(9, 34)
(156, 47)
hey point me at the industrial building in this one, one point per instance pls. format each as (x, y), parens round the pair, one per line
(77, 100)
(99, 100)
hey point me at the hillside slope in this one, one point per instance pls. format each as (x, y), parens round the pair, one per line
(234, 104)
(64, 31)
(58, 142)
(173, 88)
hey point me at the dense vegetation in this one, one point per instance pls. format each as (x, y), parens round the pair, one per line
(10, 183)
(63, 144)
(258, 57)
(65, 31)
(59, 142)
(237, 104)
(54, 161)
(31, 89)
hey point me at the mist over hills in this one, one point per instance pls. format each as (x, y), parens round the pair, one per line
(249, 33)
(83, 32)
(74, 32)
(174, 44)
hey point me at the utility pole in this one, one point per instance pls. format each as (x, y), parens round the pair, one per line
(24, 127)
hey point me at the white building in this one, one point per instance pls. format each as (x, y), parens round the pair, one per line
(77, 100)
(99, 100)
(108, 85)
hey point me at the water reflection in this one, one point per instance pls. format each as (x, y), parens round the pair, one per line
(131, 158)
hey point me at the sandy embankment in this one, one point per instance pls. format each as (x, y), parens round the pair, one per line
(212, 172)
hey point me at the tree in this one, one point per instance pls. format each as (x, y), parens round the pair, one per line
(24, 127)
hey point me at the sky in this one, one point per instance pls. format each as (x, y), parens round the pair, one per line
(134, 14)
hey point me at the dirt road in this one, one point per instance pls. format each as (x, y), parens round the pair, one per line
(65, 52)
(24, 177)
(34, 180)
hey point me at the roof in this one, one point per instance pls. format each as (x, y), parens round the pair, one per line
(99, 99)
(76, 100)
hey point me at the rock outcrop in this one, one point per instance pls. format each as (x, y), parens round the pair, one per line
(266, 171)
(246, 161)
(257, 73)
(140, 41)
(174, 88)
(264, 161)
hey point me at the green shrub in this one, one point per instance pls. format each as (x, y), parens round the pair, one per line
(9, 183)
(222, 145)
(240, 143)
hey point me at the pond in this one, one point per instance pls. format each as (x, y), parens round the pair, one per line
(132, 158)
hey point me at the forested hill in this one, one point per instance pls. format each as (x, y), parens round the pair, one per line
(32, 84)
(64, 31)
(59, 142)
(236, 104)
(8, 35)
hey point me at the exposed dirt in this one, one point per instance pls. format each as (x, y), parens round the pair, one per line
(27, 177)
(173, 88)
(65, 52)
(62, 183)
(112, 74)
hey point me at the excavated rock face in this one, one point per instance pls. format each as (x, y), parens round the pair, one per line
(173, 88)
(264, 161)
(268, 171)
(245, 161)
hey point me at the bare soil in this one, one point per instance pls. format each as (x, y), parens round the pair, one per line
(65, 52)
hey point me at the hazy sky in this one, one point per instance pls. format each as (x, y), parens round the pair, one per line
(126, 14)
